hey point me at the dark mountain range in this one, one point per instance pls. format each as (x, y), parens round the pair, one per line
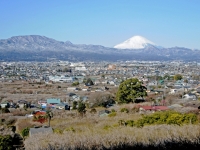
(41, 48)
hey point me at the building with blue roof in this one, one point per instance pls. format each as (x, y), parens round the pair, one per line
(53, 101)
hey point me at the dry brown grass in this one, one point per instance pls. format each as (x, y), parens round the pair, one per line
(24, 90)
(20, 111)
(23, 123)
(93, 132)
(115, 137)
(19, 90)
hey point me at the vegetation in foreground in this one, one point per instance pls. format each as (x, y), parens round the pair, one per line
(120, 131)
(123, 128)
(151, 137)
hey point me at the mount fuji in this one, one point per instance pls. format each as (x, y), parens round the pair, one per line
(136, 42)
(41, 48)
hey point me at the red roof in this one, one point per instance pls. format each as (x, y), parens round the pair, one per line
(40, 113)
(154, 107)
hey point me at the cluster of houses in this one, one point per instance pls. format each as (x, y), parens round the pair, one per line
(18, 104)
(104, 74)
(42, 104)
(63, 71)
(53, 103)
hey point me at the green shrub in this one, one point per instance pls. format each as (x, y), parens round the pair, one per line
(58, 131)
(113, 110)
(81, 107)
(25, 132)
(124, 110)
(75, 83)
(107, 127)
(130, 123)
(6, 142)
(74, 105)
(70, 129)
(112, 114)
(168, 117)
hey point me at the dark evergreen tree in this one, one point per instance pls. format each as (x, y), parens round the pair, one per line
(129, 90)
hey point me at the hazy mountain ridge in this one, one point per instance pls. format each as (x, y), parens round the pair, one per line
(40, 48)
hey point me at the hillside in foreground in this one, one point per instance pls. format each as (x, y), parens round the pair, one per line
(92, 132)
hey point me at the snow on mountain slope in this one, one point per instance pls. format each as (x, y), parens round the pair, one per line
(136, 42)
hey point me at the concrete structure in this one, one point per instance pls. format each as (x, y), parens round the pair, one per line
(39, 130)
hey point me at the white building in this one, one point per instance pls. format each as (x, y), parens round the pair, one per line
(61, 79)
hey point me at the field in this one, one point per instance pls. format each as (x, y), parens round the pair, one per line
(32, 91)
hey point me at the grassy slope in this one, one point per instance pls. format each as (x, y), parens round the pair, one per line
(93, 132)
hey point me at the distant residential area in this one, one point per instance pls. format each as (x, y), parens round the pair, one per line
(34, 82)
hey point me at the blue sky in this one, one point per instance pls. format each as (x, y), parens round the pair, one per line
(167, 23)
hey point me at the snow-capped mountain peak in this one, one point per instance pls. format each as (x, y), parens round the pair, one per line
(136, 42)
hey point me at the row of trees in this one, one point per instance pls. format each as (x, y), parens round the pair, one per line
(88, 82)
(167, 77)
